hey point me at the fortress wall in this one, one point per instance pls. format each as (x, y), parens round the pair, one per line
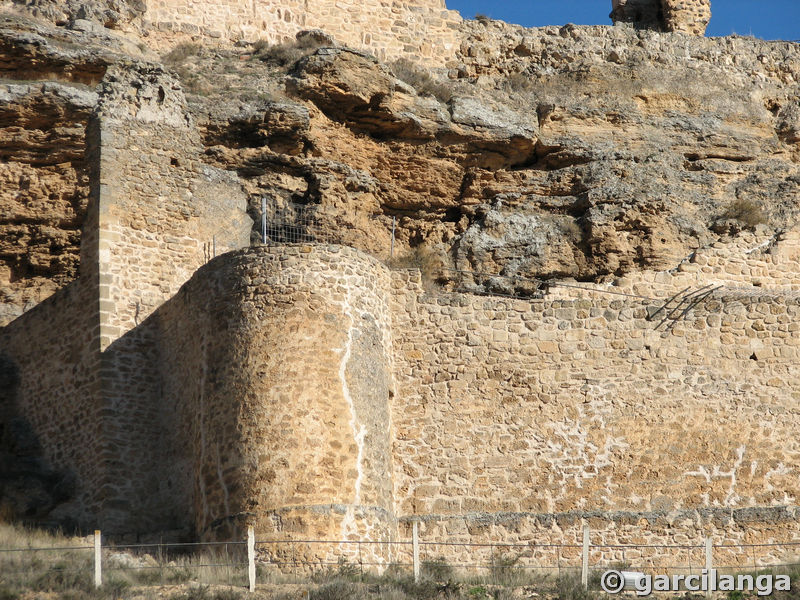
(686, 16)
(521, 414)
(424, 29)
(50, 394)
(277, 377)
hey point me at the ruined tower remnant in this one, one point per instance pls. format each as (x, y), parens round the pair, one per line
(685, 16)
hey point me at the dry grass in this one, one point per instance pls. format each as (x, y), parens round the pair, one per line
(48, 569)
(519, 83)
(421, 80)
(286, 54)
(431, 264)
(64, 566)
(180, 53)
(747, 212)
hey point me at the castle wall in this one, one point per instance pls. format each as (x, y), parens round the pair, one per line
(685, 16)
(313, 393)
(520, 421)
(390, 29)
(510, 421)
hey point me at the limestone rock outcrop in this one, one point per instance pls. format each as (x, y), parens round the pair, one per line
(585, 152)
(43, 190)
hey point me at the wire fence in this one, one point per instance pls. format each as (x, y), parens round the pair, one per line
(250, 562)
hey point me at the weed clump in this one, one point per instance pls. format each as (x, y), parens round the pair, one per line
(421, 80)
(180, 54)
(432, 265)
(287, 54)
(569, 587)
(746, 212)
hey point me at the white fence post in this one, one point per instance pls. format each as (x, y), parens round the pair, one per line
(709, 565)
(98, 559)
(251, 558)
(415, 544)
(585, 559)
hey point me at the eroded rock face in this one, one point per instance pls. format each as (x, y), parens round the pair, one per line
(584, 152)
(107, 13)
(44, 189)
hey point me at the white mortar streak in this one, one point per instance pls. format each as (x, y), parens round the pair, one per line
(731, 498)
(359, 433)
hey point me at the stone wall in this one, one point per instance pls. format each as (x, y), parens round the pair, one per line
(687, 16)
(162, 211)
(52, 385)
(519, 421)
(160, 214)
(423, 29)
(684, 16)
(511, 421)
(314, 393)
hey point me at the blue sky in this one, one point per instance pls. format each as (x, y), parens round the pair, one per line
(768, 19)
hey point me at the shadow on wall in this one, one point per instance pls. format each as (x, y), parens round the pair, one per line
(29, 489)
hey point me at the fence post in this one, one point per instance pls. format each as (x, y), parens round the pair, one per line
(585, 559)
(415, 544)
(709, 566)
(98, 559)
(251, 558)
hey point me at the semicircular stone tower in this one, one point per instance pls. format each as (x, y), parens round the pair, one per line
(284, 382)
(685, 16)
